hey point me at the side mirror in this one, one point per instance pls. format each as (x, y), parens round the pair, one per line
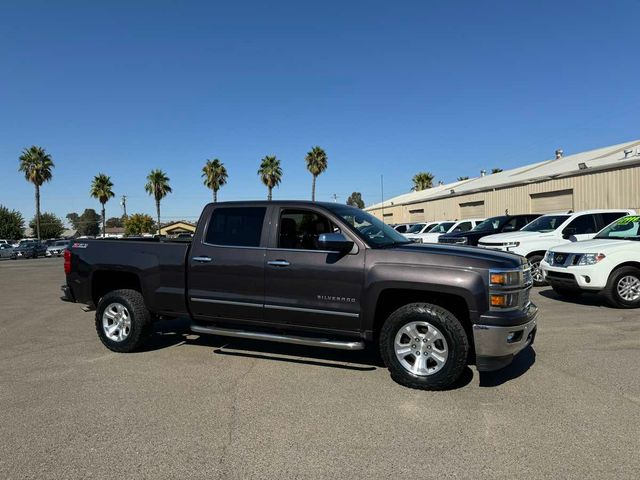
(334, 242)
(567, 233)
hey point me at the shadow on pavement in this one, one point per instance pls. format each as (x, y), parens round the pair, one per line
(521, 363)
(588, 299)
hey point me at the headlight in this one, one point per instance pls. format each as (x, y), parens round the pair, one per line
(548, 257)
(511, 244)
(591, 258)
(504, 300)
(511, 278)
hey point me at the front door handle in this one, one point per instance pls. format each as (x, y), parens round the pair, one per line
(201, 259)
(278, 263)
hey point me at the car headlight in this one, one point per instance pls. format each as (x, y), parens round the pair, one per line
(548, 257)
(511, 244)
(507, 278)
(591, 258)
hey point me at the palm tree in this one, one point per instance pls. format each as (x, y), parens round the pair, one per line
(270, 173)
(158, 186)
(462, 178)
(316, 164)
(215, 176)
(101, 188)
(496, 170)
(36, 164)
(422, 181)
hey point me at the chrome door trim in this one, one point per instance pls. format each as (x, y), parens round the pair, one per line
(226, 302)
(311, 310)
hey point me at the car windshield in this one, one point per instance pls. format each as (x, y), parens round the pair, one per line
(369, 228)
(625, 228)
(416, 228)
(489, 225)
(546, 223)
(443, 227)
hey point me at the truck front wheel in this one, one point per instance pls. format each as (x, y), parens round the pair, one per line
(424, 346)
(623, 288)
(122, 321)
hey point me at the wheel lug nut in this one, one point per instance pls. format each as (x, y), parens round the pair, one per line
(413, 346)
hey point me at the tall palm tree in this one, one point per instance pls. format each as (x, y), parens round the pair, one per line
(270, 173)
(101, 188)
(215, 176)
(36, 164)
(158, 186)
(316, 164)
(422, 181)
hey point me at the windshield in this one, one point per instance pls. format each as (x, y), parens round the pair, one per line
(489, 225)
(625, 228)
(546, 223)
(443, 227)
(416, 228)
(369, 228)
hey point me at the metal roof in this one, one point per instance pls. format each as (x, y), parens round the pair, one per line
(623, 154)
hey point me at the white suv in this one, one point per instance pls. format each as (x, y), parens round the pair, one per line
(417, 229)
(550, 230)
(431, 236)
(610, 263)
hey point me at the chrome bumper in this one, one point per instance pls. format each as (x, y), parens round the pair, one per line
(495, 346)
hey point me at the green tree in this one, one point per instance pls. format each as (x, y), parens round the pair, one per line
(102, 189)
(422, 181)
(317, 163)
(462, 178)
(158, 186)
(355, 200)
(51, 226)
(114, 222)
(270, 173)
(138, 223)
(215, 176)
(87, 224)
(496, 170)
(36, 164)
(11, 224)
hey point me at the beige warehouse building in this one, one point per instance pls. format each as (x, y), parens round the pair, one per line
(608, 177)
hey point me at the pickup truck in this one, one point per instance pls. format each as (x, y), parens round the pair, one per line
(313, 274)
(608, 264)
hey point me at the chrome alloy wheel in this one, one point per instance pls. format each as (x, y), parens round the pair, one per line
(421, 348)
(536, 272)
(628, 288)
(116, 322)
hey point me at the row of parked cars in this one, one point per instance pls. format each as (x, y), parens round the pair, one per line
(31, 248)
(574, 252)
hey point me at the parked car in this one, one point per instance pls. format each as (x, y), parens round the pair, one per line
(56, 248)
(503, 223)
(417, 229)
(4, 242)
(609, 264)
(306, 273)
(402, 227)
(31, 249)
(7, 251)
(550, 230)
(448, 227)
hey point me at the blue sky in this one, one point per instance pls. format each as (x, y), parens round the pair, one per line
(384, 87)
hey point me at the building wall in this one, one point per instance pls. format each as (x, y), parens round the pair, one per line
(619, 188)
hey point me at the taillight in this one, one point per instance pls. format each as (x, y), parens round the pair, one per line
(67, 261)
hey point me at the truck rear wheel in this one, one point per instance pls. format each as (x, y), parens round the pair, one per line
(122, 321)
(623, 288)
(424, 346)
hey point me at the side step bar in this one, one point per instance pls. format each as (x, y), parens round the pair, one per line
(271, 337)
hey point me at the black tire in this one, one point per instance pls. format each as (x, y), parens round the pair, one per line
(611, 290)
(566, 291)
(140, 318)
(451, 329)
(533, 261)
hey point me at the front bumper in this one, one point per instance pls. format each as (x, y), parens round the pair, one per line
(586, 277)
(497, 345)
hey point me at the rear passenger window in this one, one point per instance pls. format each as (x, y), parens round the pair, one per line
(584, 224)
(239, 227)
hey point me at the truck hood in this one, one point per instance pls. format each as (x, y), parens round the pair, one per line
(516, 237)
(416, 254)
(598, 245)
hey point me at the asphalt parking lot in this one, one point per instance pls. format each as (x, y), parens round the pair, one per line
(209, 407)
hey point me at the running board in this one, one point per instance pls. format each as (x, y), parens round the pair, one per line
(271, 337)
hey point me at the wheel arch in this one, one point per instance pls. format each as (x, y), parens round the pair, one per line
(105, 281)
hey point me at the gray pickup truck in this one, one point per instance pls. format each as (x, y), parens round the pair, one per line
(314, 274)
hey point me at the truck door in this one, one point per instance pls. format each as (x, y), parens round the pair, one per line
(306, 286)
(225, 277)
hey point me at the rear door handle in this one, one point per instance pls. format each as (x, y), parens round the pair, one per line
(278, 263)
(201, 259)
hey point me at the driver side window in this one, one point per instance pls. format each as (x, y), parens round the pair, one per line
(300, 229)
(584, 224)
